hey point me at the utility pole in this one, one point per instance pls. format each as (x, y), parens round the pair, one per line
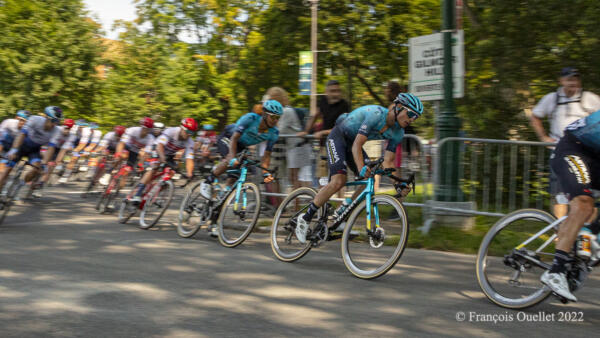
(314, 5)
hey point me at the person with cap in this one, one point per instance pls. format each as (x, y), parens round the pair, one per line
(567, 104)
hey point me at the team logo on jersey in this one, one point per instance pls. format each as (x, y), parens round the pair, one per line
(578, 168)
(333, 155)
(363, 128)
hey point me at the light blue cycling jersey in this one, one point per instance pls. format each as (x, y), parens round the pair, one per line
(247, 125)
(587, 130)
(368, 121)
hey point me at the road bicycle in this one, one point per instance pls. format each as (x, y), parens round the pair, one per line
(11, 189)
(368, 251)
(234, 209)
(514, 254)
(111, 192)
(156, 199)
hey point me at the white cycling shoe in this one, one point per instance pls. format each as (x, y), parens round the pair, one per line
(557, 282)
(206, 190)
(301, 228)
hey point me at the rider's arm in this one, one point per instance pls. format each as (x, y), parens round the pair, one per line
(538, 127)
(120, 147)
(61, 155)
(80, 147)
(160, 149)
(18, 141)
(189, 166)
(310, 123)
(48, 154)
(357, 151)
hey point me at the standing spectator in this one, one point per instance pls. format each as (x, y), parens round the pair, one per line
(329, 108)
(297, 150)
(568, 104)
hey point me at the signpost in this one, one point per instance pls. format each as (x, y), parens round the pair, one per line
(426, 66)
(305, 78)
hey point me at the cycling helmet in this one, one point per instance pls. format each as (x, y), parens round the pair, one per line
(81, 123)
(119, 130)
(53, 112)
(159, 125)
(410, 101)
(69, 123)
(23, 114)
(189, 124)
(273, 107)
(208, 127)
(93, 125)
(147, 122)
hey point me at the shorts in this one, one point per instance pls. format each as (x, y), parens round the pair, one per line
(339, 153)
(223, 145)
(7, 141)
(28, 149)
(576, 167)
(132, 160)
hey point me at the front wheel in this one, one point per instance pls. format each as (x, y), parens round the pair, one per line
(238, 218)
(370, 253)
(504, 273)
(156, 204)
(284, 243)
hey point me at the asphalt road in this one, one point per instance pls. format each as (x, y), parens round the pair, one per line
(67, 271)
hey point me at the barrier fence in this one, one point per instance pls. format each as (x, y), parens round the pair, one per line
(498, 176)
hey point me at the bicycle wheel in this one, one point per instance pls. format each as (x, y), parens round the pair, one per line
(156, 205)
(370, 256)
(504, 276)
(235, 224)
(284, 244)
(113, 188)
(194, 212)
(11, 191)
(126, 211)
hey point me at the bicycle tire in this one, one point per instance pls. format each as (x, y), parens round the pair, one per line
(188, 207)
(124, 215)
(390, 262)
(12, 189)
(481, 265)
(149, 223)
(276, 227)
(223, 237)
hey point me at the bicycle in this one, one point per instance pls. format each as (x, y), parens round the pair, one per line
(104, 161)
(113, 188)
(514, 254)
(12, 188)
(367, 252)
(158, 194)
(235, 210)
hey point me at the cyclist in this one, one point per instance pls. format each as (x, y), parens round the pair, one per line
(204, 143)
(158, 129)
(168, 144)
(135, 144)
(84, 139)
(52, 160)
(10, 128)
(249, 130)
(107, 146)
(576, 162)
(38, 131)
(344, 147)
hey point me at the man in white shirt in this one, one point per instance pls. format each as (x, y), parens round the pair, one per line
(563, 107)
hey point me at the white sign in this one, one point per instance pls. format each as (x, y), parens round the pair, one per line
(426, 66)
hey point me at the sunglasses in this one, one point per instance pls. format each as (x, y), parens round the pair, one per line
(189, 132)
(275, 116)
(411, 114)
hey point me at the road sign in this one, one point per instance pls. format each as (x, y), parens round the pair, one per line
(306, 63)
(426, 66)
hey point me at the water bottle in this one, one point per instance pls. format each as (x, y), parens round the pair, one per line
(340, 210)
(585, 238)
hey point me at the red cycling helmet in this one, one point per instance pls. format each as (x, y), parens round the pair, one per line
(147, 122)
(119, 130)
(190, 124)
(69, 123)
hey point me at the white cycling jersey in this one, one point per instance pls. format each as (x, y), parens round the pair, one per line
(170, 139)
(9, 127)
(110, 140)
(134, 142)
(34, 129)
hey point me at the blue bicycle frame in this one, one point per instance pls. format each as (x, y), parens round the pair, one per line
(365, 194)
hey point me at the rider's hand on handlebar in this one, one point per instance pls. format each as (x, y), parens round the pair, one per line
(402, 188)
(365, 172)
(268, 177)
(234, 162)
(12, 154)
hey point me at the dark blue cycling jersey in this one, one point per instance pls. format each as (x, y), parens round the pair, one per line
(587, 130)
(247, 125)
(369, 121)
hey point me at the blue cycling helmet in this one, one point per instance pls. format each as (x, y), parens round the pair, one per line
(53, 112)
(93, 125)
(23, 114)
(81, 123)
(208, 127)
(410, 101)
(273, 107)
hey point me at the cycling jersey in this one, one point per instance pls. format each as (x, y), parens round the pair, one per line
(170, 140)
(36, 134)
(134, 141)
(9, 127)
(587, 130)
(110, 141)
(247, 126)
(368, 121)
(83, 135)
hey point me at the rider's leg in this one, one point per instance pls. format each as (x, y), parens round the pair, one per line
(335, 183)
(4, 175)
(581, 210)
(146, 179)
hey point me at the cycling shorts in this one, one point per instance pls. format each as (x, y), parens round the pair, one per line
(28, 149)
(576, 167)
(339, 153)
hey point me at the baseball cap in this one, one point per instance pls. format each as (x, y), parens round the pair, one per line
(569, 71)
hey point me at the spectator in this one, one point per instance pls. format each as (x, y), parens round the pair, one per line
(297, 150)
(568, 104)
(329, 108)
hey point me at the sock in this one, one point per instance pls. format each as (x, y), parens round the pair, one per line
(312, 209)
(560, 258)
(140, 190)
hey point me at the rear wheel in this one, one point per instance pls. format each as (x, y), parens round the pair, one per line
(109, 195)
(193, 212)
(236, 222)
(156, 204)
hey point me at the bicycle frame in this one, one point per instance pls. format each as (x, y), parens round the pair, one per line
(539, 233)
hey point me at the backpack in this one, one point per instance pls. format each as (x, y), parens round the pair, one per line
(556, 103)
